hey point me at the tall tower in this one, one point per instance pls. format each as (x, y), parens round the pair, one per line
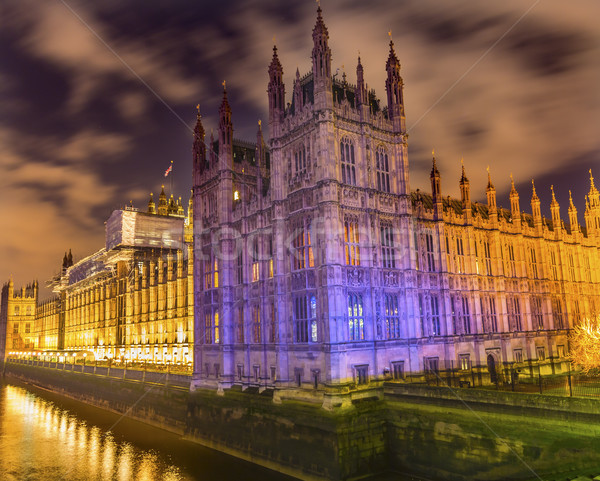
(198, 150)
(394, 88)
(465, 194)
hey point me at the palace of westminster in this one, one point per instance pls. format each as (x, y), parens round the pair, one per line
(307, 261)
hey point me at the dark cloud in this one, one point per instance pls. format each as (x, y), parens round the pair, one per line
(545, 49)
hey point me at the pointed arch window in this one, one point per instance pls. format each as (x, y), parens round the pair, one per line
(383, 170)
(351, 241)
(347, 161)
(356, 322)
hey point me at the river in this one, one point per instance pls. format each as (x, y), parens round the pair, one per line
(45, 437)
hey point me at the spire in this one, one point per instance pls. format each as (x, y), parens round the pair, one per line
(434, 170)
(489, 184)
(465, 189)
(361, 93)
(534, 196)
(554, 201)
(199, 148)
(162, 202)
(260, 146)
(394, 86)
(555, 210)
(593, 195)
(536, 210)
(225, 133)
(276, 89)
(515, 208)
(436, 189)
(69, 259)
(151, 204)
(321, 54)
(573, 215)
(298, 97)
(463, 177)
(491, 198)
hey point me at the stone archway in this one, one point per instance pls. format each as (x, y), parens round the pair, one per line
(491, 365)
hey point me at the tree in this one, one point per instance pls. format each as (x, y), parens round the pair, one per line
(585, 344)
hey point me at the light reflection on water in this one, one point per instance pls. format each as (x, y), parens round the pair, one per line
(41, 441)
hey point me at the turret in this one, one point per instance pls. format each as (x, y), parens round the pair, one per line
(555, 211)
(276, 91)
(198, 149)
(465, 193)
(69, 259)
(536, 210)
(151, 204)
(260, 162)
(394, 88)
(162, 202)
(436, 189)
(491, 199)
(515, 209)
(592, 209)
(190, 212)
(321, 54)
(180, 211)
(573, 215)
(225, 133)
(361, 91)
(321, 57)
(298, 97)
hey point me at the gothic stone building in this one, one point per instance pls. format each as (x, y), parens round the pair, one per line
(317, 266)
(130, 300)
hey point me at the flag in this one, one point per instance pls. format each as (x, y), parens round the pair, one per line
(168, 171)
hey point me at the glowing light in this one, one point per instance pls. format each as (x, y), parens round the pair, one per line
(585, 344)
(236, 195)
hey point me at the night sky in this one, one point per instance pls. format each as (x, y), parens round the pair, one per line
(96, 99)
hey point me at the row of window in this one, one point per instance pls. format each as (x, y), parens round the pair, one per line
(348, 165)
(305, 325)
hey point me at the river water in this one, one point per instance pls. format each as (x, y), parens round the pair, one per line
(44, 437)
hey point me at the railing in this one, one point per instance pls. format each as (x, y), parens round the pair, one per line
(165, 378)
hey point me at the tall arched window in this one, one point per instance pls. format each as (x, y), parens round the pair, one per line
(347, 161)
(383, 169)
(356, 324)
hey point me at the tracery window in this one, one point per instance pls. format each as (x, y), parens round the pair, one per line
(302, 255)
(514, 313)
(256, 327)
(351, 240)
(466, 315)
(211, 327)
(392, 316)
(382, 169)
(460, 254)
(512, 269)
(487, 257)
(536, 311)
(211, 272)
(435, 316)
(388, 258)
(429, 252)
(300, 160)
(356, 328)
(347, 161)
(557, 313)
(305, 318)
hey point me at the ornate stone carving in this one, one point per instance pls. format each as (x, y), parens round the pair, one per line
(355, 276)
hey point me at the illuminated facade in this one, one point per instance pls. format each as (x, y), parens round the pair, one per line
(17, 315)
(131, 300)
(317, 266)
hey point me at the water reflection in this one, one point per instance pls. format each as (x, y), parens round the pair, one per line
(40, 441)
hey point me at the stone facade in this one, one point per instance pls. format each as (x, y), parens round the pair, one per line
(317, 266)
(131, 300)
(17, 315)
